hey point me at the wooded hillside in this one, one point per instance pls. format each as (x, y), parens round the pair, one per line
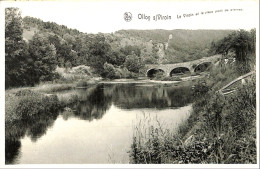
(35, 48)
(164, 46)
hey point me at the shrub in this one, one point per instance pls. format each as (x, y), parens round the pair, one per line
(124, 73)
(231, 122)
(133, 63)
(162, 146)
(26, 103)
(220, 75)
(200, 89)
(110, 72)
(241, 108)
(82, 69)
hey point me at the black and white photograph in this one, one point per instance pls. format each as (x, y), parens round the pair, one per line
(129, 83)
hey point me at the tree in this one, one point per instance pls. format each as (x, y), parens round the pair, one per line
(128, 50)
(44, 58)
(116, 58)
(110, 71)
(99, 51)
(16, 50)
(64, 49)
(82, 49)
(242, 44)
(133, 63)
(70, 40)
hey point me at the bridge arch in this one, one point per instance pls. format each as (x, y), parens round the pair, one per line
(180, 71)
(202, 67)
(152, 72)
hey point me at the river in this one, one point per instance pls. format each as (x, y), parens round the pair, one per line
(98, 128)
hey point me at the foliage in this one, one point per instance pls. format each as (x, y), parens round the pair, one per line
(200, 89)
(65, 53)
(27, 113)
(242, 44)
(222, 74)
(117, 58)
(133, 63)
(26, 64)
(144, 43)
(43, 55)
(220, 129)
(150, 60)
(16, 50)
(25, 103)
(128, 50)
(163, 148)
(178, 45)
(49, 88)
(75, 48)
(99, 51)
(60, 30)
(110, 71)
(158, 75)
(158, 145)
(232, 119)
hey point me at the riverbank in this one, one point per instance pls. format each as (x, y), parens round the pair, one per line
(198, 140)
(220, 129)
(107, 110)
(28, 98)
(42, 96)
(24, 104)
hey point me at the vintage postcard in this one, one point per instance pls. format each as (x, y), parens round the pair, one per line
(129, 84)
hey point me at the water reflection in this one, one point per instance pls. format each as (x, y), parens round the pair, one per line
(93, 103)
(129, 96)
(34, 128)
(159, 97)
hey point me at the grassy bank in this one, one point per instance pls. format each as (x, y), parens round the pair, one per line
(24, 104)
(220, 129)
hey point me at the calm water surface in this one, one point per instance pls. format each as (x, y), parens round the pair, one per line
(97, 129)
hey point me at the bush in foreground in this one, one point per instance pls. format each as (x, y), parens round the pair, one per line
(25, 103)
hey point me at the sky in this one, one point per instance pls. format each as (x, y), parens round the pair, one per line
(108, 16)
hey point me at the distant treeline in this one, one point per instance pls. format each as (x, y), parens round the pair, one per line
(178, 45)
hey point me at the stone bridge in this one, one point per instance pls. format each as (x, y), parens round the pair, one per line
(199, 65)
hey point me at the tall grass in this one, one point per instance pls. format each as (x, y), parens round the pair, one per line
(156, 143)
(230, 122)
(220, 129)
(50, 88)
